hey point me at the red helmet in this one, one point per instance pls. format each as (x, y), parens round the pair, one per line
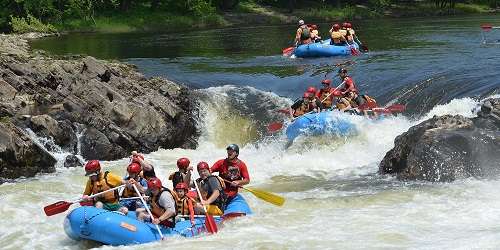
(327, 82)
(345, 25)
(181, 185)
(154, 183)
(307, 95)
(311, 90)
(202, 165)
(92, 167)
(336, 27)
(135, 158)
(183, 163)
(348, 25)
(134, 168)
(337, 93)
(314, 26)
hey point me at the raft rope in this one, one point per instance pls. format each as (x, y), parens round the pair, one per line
(89, 219)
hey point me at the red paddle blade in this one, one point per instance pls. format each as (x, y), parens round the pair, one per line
(486, 27)
(288, 51)
(210, 224)
(354, 51)
(56, 208)
(273, 127)
(396, 108)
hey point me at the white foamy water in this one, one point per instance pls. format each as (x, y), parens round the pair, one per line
(334, 198)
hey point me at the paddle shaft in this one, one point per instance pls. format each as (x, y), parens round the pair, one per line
(147, 209)
(94, 195)
(201, 198)
(133, 198)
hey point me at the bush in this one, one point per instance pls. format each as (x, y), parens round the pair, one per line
(30, 24)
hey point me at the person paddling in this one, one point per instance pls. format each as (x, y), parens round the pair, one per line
(303, 34)
(347, 82)
(132, 178)
(337, 38)
(212, 191)
(309, 103)
(163, 206)
(325, 94)
(99, 182)
(232, 163)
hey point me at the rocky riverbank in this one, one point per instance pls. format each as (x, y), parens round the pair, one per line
(98, 109)
(448, 147)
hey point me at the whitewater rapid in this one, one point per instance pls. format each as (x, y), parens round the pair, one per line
(334, 197)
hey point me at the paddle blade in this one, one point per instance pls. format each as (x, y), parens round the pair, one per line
(210, 224)
(288, 51)
(354, 51)
(274, 127)
(486, 27)
(267, 196)
(397, 108)
(56, 208)
(364, 48)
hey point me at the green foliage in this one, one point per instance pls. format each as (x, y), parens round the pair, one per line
(30, 24)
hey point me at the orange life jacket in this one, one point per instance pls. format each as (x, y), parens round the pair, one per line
(337, 37)
(326, 98)
(157, 210)
(183, 205)
(103, 185)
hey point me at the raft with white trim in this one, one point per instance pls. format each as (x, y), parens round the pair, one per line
(323, 49)
(114, 228)
(326, 122)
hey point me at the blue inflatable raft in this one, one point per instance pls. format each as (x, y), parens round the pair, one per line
(326, 122)
(323, 49)
(114, 228)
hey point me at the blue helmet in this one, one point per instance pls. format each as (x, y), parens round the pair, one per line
(233, 147)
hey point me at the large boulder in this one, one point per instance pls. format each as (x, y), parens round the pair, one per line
(19, 155)
(118, 109)
(448, 147)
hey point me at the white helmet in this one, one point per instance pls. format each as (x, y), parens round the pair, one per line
(301, 22)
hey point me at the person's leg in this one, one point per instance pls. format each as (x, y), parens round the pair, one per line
(123, 210)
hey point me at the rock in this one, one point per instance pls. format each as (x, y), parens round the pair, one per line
(119, 109)
(61, 132)
(447, 148)
(72, 161)
(20, 156)
(95, 145)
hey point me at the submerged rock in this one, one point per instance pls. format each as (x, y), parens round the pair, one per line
(118, 108)
(448, 147)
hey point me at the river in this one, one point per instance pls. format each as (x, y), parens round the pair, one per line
(334, 197)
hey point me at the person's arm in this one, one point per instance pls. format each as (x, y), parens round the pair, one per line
(212, 198)
(87, 191)
(216, 167)
(167, 202)
(244, 175)
(187, 177)
(297, 36)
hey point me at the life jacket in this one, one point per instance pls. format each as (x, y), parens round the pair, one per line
(326, 98)
(336, 37)
(205, 194)
(305, 34)
(158, 210)
(103, 185)
(130, 192)
(340, 104)
(349, 85)
(349, 35)
(183, 205)
(343, 32)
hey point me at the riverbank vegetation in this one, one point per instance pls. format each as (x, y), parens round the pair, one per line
(135, 15)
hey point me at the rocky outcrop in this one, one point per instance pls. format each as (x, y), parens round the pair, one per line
(115, 108)
(448, 147)
(19, 155)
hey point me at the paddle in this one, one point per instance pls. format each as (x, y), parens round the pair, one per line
(147, 209)
(264, 195)
(364, 47)
(62, 206)
(274, 127)
(288, 51)
(395, 108)
(209, 219)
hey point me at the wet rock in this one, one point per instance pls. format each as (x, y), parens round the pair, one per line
(119, 108)
(72, 161)
(20, 156)
(448, 147)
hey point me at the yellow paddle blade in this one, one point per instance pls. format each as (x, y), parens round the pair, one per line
(267, 196)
